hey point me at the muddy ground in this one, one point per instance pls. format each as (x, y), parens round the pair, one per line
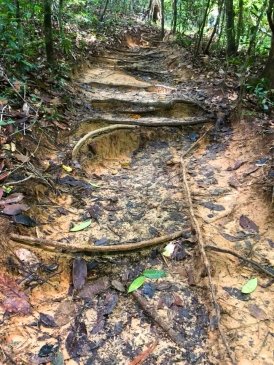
(129, 183)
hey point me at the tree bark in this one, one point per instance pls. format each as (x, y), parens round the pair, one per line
(202, 27)
(48, 31)
(230, 28)
(268, 72)
(175, 13)
(162, 19)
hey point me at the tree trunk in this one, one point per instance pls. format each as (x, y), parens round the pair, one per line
(174, 21)
(48, 31)
(162, 19)
(60, 16)
(104, 11)
(220, 35)
(148, 12)
(268, 72)
(230, 28)
(216, 25)
(202, 27)
(240, 25)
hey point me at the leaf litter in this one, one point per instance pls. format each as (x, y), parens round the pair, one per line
(104, 308)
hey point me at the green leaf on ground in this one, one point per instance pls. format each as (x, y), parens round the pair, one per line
(3, 123)
(80, 226)
(58, 359)
(7, 189)
(93, 185)
(137, 283)
(250, 286)
(154, 274)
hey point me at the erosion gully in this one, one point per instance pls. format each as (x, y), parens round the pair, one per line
(129, 182)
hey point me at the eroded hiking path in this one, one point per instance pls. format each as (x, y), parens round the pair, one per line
(129, 183)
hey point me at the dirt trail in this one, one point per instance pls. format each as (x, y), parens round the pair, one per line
(129, 183)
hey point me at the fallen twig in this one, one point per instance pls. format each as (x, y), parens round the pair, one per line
(262, 345)
(56, 246)
(20, 181)
(97, 133)
(201, 245)
(144, 304)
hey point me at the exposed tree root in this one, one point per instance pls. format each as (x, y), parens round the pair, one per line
(58, 247)
(97, 133)
(105, 85)
(153, 51)
(144, 71)
(246, 260)
(164, 105)
(148, 121)
(201, 245)
(106, 57)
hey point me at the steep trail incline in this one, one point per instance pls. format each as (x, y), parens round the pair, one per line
(128, 182)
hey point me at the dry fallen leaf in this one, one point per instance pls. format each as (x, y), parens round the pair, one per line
(14, 209)
(15, 300)
(95, 287)
(257, 312)
(79, 273)
(248, 225)
(22, 158)
(13, 198)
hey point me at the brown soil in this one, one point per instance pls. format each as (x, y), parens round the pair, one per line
(136, 194)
